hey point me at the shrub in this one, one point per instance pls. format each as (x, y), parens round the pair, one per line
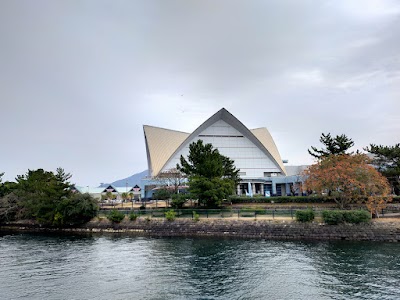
(162, 194)
(196, 216)
(76, 209)
(334, 217)
(115, 216)
(356, 216)
(281, 199)
(133, 216)
(170, 215)
(305, 215)
(240, 200)
(178, 200)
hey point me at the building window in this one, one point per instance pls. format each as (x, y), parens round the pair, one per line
(279, 190)
(242, 173)
(269, 174)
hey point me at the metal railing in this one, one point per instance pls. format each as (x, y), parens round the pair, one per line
(237, 212)
(210, 213)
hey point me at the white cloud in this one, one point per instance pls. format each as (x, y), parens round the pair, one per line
(363, 42)
(305, 77)
(370, 9)
(360, 80)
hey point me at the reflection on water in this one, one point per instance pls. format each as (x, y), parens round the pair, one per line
(101, 267)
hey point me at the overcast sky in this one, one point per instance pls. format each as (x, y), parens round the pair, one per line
(78, 79)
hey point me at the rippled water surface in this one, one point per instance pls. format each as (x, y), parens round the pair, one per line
(104, 267)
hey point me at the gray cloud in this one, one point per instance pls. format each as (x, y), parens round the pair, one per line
(78, 79)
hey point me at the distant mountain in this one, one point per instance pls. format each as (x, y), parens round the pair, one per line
(131, 180)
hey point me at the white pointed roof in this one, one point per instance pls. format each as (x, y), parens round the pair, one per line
(263, 135)
(162, 144)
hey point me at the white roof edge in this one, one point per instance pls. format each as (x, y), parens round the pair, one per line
(226, 116)
(157, 127)
(265, 137)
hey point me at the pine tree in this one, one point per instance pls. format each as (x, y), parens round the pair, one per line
(387, 161)
(333, 145)
(212, 176)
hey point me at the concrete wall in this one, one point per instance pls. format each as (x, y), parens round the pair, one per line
(375, 231)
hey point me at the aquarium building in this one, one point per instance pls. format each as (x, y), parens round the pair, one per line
(253, 150)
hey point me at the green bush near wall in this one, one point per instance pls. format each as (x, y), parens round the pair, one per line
(305, 215)
(115, 216)
(332, 217)
(170, 215)
(335, 217)
(133, 216)
(289, 199)
(281, 199)
(356, 216)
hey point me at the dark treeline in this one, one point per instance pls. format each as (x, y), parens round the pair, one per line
(46, 198)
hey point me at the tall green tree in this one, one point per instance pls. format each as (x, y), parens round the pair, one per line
(332, 145)
(387, 161)
(8, 208)
(47, 198)
(1, 185)
(212, 176)
(8, 201)
(75, 210)
(40, 192)
(162, 194)
(7, 188)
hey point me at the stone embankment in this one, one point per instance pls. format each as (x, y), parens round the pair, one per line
(282, 230)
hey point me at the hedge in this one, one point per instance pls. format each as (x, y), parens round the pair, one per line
(281, 199)
(170, 215)
(356, 216)
(116, 216)
(305, 215)
(334, 217)
(289, 199)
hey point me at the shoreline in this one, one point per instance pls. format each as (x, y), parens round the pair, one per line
(259, 229)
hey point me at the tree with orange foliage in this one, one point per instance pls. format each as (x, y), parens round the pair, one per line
(350, 179)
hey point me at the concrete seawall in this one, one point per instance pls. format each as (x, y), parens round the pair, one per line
(375, 231)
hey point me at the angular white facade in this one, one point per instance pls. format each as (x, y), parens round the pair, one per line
(253, 151)
(248, 157)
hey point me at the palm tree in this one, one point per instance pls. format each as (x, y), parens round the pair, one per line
(124, 196)
(109, 195)
(130, 195)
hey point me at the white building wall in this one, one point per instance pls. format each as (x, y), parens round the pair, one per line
(231, 143)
